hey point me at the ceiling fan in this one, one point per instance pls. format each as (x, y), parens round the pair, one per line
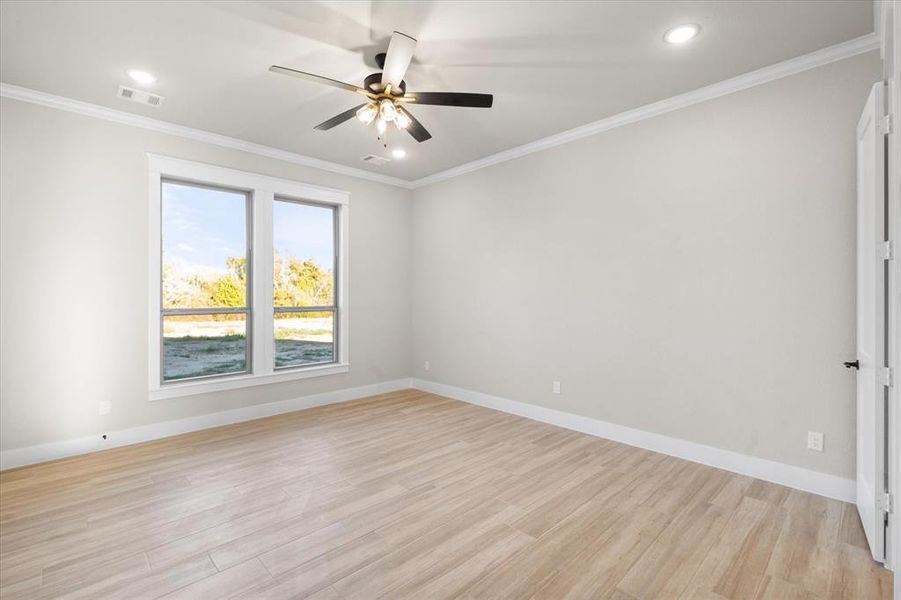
(387, 94)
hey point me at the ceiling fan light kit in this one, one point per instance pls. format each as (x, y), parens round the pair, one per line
(387, 111)
(402, 120)
(386, 92)
(367, 113)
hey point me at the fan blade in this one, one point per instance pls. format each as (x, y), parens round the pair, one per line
(400, 53)
(419, 133)
(338, 119)
(317, 79)
(452, 99)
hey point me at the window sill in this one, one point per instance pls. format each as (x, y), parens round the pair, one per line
(190, 388)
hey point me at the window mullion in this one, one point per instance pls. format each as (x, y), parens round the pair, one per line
(261, 291)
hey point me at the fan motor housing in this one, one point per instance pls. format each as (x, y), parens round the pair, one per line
(373, 83)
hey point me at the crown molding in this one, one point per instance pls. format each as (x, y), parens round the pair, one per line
(125, 118)
(773, 72)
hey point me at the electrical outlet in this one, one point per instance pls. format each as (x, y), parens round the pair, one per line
(556, 387)
(104, 407)
(427, 366)
(815, 441)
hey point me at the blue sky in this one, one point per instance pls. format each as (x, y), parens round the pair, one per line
(304, 231)
(202, 227)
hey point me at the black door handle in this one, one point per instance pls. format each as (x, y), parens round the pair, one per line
(852, 365)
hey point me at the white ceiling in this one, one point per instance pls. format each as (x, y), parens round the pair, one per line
(551, 66)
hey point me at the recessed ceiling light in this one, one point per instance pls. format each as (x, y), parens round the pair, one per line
(141, 76)
(681, 34)
(398, 153)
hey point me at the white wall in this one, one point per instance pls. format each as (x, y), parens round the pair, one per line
(73, 277)
(691, 275)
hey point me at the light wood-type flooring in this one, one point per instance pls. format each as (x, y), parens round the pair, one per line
(410, 495)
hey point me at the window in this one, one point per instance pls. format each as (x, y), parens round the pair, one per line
(205, 304)
(246, 279)
(303, 291)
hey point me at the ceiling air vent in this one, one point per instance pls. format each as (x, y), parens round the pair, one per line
(373, 159)
(139, 96)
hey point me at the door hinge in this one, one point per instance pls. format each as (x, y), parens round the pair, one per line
(885, 125)
(888, 250)
(888, 379)
(886, 505)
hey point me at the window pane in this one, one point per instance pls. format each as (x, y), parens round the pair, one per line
(304, 244)
(304, 338)
(204, 235)
(200, 345)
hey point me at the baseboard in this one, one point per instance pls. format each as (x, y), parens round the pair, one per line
(807, 480)
(823, 484)
(19, 457)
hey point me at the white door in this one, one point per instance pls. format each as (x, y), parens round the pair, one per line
(871, 321)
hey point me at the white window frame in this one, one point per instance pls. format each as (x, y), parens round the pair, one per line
(263, 190)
